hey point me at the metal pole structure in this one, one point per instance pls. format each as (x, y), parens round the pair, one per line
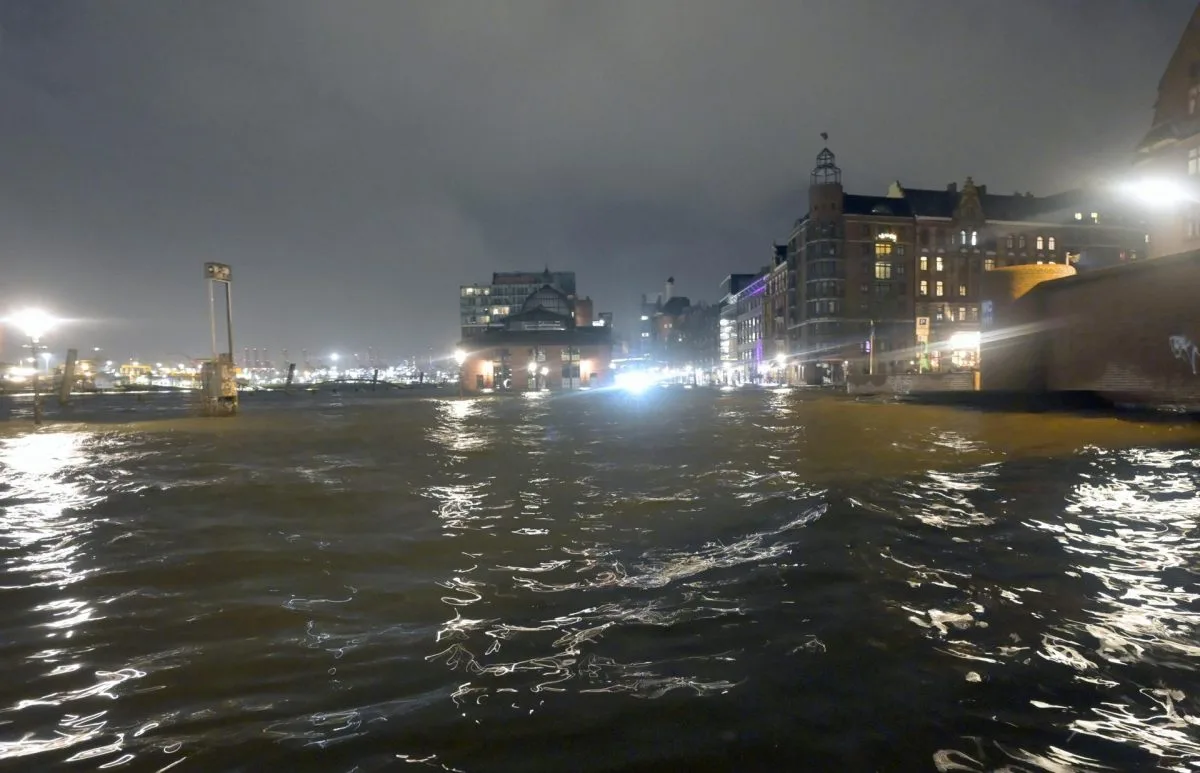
(212, 318)
(229, 315)
(37, 392)
(219, 377)
(871, 353)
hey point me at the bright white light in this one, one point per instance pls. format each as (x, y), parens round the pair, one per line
(532, 367)
(460, 356)
(960, 341)
(1156, 192)
(635, 381)
(781, 360)
(34, 323)
(545, 371)
(334, 356)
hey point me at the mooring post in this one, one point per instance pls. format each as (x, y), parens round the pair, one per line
(291, 376)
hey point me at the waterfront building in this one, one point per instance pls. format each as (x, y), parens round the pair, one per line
(852, 301)
(1169, 155)
(775, 314)
(748, 305)
(535, 347)
(962, 233)
(727, 323)
(890, 284)
(484, 305)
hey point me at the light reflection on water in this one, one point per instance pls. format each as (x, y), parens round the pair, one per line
(719, 579)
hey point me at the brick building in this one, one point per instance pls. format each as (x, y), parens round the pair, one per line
(962, 233)
(850, 261)
(537, 347)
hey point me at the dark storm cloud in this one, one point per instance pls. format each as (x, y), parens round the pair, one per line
(356, 161)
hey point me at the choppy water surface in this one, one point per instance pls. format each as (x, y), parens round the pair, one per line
(688, 580)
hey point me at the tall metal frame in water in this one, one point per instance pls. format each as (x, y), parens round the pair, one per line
(218, 375)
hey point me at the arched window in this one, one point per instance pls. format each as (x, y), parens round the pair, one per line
(1041, 244)
(1051, 243)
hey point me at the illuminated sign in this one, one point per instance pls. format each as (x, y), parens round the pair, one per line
(886, 236)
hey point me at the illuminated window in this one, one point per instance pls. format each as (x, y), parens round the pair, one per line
(924, 287)
(1147, 238)
(962, 291)
(1041, 244)
(1194, 161)
(939, 289)
(925, 259)
(883, 248)
(1050, 243)
(962, 237)
(1021, 241)
(1010, 241)
(939, 264)
(883, 270)
(1095, 217)
(962, 313)
(974, 238)
(989, 264)
(1079, 216)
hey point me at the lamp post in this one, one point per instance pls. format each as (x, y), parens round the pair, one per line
(33, 324)
(533, 369)
(871, 350)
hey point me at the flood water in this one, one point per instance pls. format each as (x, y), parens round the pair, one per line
(686, 580)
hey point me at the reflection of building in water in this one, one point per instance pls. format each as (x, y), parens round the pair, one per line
(540, 346)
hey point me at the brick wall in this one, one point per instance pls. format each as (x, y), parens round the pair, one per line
(910, 384)
(1129, 333)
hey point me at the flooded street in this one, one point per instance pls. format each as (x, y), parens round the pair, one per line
(681, 580)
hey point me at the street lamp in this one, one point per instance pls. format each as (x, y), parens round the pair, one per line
(1159, 193)
(33, 324)
(533, 369)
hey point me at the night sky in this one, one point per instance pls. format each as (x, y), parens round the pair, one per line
(356, 161)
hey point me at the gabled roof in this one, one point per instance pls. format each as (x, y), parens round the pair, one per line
(1012, 207)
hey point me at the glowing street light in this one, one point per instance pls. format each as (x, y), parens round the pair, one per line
(334, 356)
(532, 366)
(1159, 193)
(460, 357)
(33, 323)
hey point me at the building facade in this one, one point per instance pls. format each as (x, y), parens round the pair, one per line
(963, 233)
(1168, 157)
(486, 305)
(890, 284)
(852, 258)
(537, 347)
(748, 306)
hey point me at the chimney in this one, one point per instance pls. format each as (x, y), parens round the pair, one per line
(982, 190)
(670, 289)
(952, 188)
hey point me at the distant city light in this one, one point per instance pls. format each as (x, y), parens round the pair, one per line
(34, 323)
